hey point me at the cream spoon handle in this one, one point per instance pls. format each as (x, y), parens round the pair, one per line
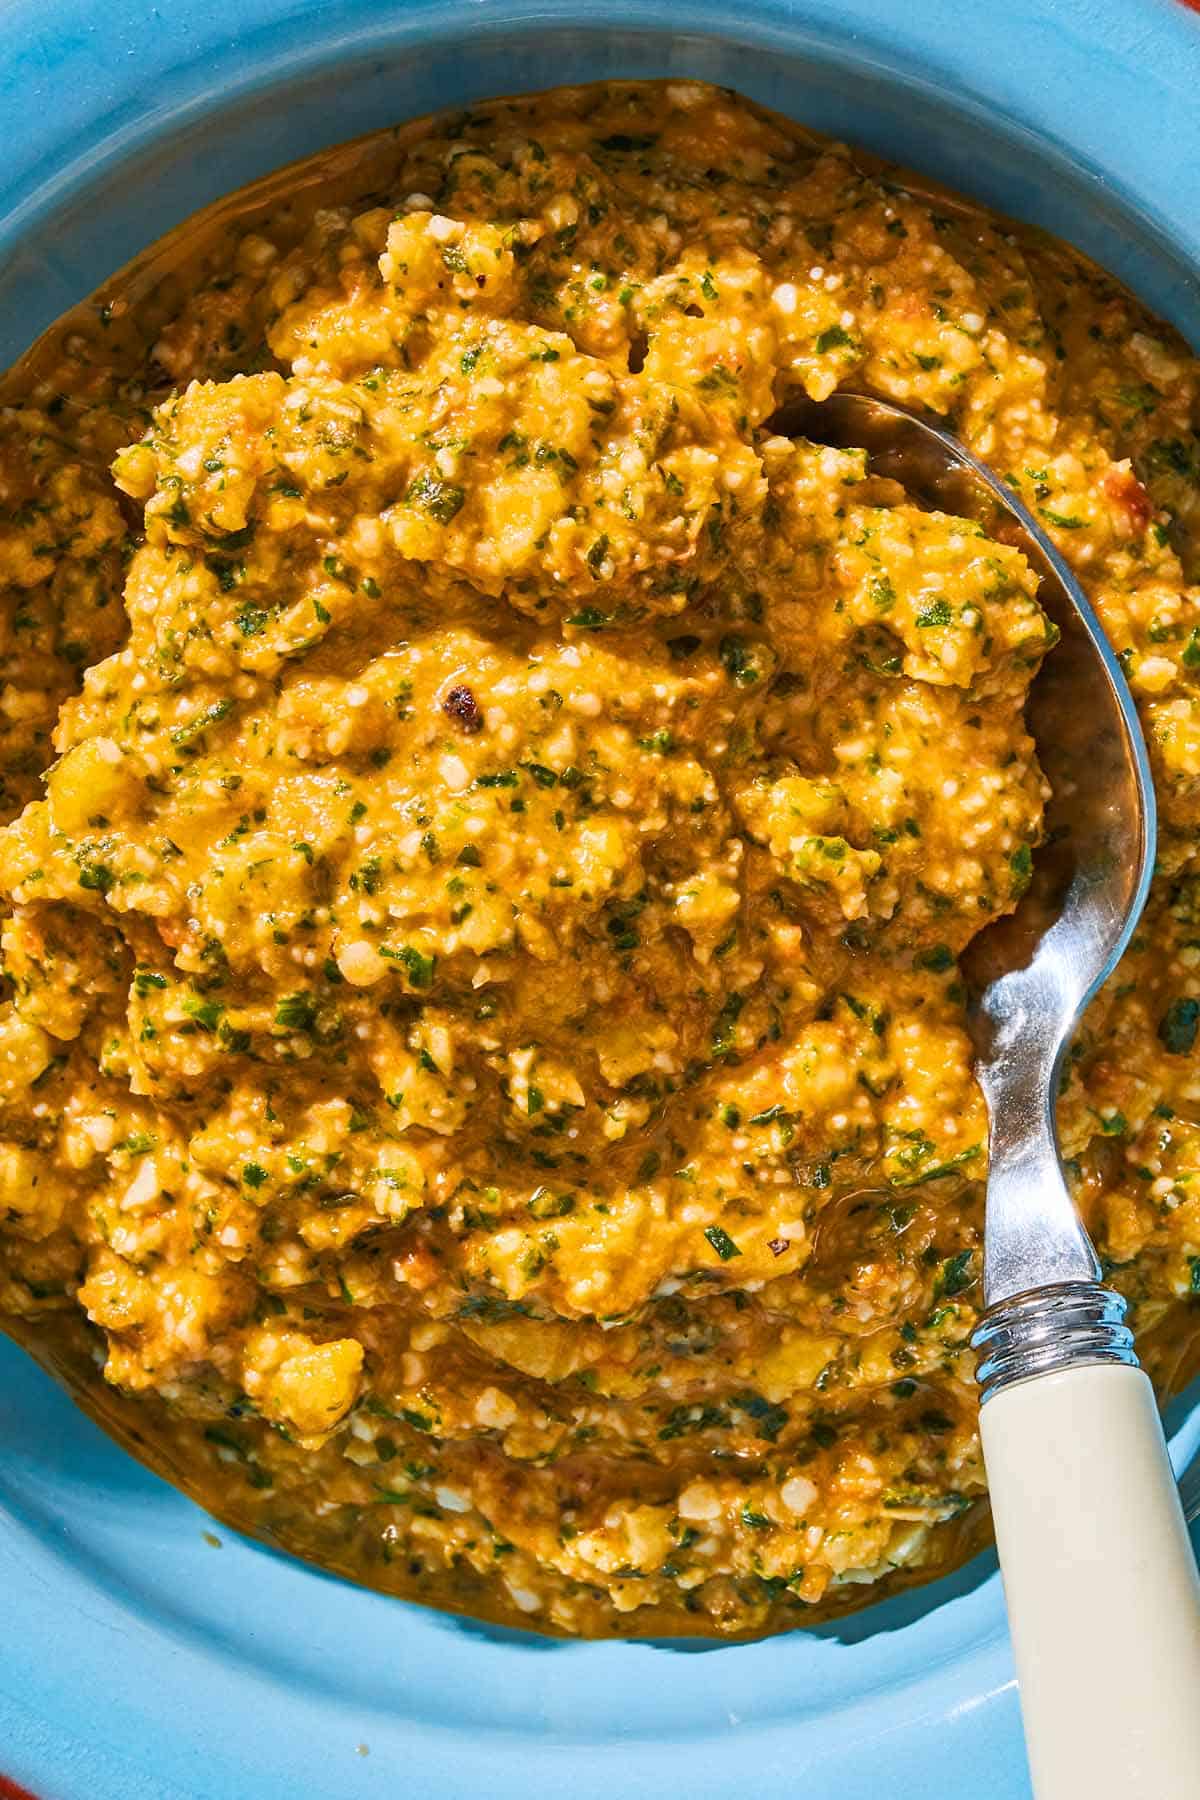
(1101, 1584)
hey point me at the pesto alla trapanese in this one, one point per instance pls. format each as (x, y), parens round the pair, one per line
(483, 1048)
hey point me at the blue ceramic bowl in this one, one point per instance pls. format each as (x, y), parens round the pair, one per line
(139, 1658)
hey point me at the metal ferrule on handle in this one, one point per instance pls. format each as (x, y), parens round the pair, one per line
(1060, 1327)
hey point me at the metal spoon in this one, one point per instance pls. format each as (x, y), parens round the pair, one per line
(1101, 1584)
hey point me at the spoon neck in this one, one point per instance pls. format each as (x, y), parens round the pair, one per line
(1035, 1238)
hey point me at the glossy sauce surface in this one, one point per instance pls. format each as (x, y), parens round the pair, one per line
(483, 1041)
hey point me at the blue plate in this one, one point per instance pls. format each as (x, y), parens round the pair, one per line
(140, 1659)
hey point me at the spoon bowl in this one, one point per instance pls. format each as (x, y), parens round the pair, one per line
(1031, 975)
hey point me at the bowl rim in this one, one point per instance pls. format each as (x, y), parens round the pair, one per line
(1127, 206)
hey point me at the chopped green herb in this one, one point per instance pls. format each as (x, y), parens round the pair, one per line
(296, 1012)
(721, 1242)
(417, 965)
(440, 499)
(1178, 1025)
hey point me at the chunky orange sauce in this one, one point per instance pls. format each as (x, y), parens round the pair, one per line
(482, 1047)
